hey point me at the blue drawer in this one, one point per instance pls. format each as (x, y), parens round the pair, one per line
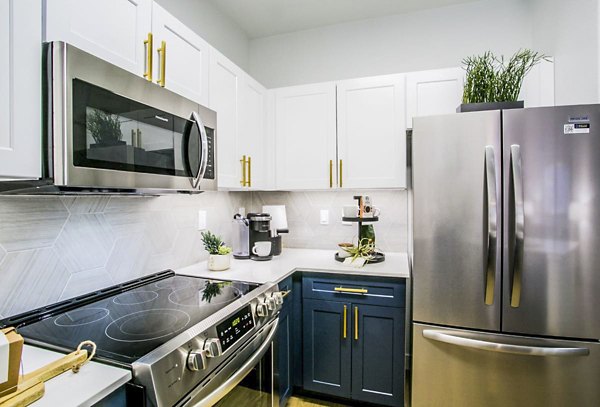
(355, 290)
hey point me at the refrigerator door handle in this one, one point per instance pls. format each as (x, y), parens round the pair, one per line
(492, 224)
(517, 179)
(441, 336)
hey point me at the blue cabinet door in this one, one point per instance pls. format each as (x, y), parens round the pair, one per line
(378, 354)
(327, 347)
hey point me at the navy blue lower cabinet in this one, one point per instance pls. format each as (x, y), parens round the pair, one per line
(378, 354)
(327, 347)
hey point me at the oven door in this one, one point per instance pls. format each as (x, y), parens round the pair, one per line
(112, 129)
(246, 379)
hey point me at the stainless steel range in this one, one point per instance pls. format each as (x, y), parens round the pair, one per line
(187, 340)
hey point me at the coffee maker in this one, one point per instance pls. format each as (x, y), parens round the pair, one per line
(260, 231)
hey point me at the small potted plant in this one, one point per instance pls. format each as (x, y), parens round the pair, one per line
(219, 255)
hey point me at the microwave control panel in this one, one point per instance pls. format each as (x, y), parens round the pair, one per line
(210, 164)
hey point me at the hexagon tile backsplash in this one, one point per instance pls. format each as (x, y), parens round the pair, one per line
(53, 248)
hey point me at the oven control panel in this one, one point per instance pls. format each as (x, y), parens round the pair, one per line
(234, 327)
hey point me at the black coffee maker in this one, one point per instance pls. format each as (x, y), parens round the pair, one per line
(260, 231)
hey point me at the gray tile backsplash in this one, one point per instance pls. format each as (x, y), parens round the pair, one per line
(53, 248)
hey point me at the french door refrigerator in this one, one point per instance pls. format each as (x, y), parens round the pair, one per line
(506, 258)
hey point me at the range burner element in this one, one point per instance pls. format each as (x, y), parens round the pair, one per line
(80, 317)
(147, 325)
(135, 298)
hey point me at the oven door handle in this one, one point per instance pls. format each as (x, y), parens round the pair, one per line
(243, 371)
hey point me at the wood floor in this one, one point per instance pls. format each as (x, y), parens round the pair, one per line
(302, 401)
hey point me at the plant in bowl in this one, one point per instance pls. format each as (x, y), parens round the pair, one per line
(219, 255)
(365, 250)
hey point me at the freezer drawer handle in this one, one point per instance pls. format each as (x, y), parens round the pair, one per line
(519, 225)
(503, 347)
(492, 225)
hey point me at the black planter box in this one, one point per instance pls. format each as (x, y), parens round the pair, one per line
(478, 107)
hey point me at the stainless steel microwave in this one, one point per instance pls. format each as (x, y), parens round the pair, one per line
(107, 130)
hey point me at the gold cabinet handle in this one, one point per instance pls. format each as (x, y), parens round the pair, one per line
(345, 321)
(356, 323)
(341, 175)
(249, 183)
(351, 290)
(148, 45)
(330, 173)
(243, 161)
(162, 55)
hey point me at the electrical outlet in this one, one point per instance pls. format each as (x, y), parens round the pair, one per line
(202, 220)
(324, 217)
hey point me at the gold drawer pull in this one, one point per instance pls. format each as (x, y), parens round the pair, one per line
(356, 323)
(351, 290)
(148, 44)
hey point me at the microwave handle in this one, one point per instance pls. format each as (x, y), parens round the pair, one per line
(203, 150)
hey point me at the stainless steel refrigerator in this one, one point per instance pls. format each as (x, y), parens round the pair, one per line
(506, 258)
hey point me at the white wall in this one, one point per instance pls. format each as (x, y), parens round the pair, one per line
(406, 42)
(213, 26)
(569, 31)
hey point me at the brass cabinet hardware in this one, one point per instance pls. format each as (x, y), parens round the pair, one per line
(243, 161)
(286, 293)
(351, 290)
(341, 175)
(249, 162)
(356, 323)
(345, 321)
(148, 44)
(330, 173)
(162, 55)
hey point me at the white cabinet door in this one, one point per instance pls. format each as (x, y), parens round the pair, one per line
(372, 132)
(20, 88)
(305, 136)
(113, 30)
(186, 57)
(225, 84)
(252, 138)
(433, 92)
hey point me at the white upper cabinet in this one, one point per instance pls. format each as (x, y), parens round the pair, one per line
(243, 150)
(252, 139)
(371, 132)
(225, 78)
(305, 136)
(20, 88)
(113, 30)
(181, 57)
(433, 92)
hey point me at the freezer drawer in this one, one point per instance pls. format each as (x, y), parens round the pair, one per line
(467, 368)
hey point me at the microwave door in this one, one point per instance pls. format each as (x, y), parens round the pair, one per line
(195, 149)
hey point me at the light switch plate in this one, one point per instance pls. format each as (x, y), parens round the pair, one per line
(324, 217)
(202, 220)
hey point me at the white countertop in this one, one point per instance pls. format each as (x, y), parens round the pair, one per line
(291, 260)
(91, 384)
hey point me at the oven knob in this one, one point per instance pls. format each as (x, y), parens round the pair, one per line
(261, 309)
(271, 303)
(278, 296)
(212, 347)
(196, 360)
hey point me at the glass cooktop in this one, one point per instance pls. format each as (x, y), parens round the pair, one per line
(127, 325)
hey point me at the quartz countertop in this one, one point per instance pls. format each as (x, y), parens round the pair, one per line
(291, 260)
(91, 384)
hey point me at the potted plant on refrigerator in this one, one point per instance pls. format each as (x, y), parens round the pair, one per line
(219, 255)
(492, 84)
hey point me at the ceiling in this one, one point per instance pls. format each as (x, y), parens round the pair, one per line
(263, 18)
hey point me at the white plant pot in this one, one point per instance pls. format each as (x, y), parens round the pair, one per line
(219, 262)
